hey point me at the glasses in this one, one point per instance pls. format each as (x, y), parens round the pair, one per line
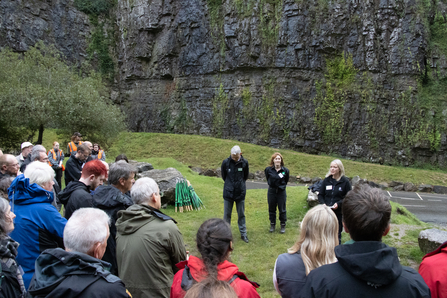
(161, 193)
(14, 165)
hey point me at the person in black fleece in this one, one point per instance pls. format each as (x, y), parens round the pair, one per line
(73, 167)
(366, 267)
(77, 194)
(277, 176)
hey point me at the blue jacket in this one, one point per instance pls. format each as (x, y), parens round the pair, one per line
(38, 224)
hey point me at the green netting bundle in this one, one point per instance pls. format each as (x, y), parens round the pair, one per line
(185, 197)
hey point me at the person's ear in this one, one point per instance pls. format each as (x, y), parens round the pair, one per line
(97, 251)
(231, 246)
(122, 181)
(387, 230)
(344, 226)
(91, 177)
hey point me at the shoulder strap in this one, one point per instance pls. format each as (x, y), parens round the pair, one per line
(232, 279)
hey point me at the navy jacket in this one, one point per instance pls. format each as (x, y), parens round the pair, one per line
(234, 174)
(333, 191)
(277, 180)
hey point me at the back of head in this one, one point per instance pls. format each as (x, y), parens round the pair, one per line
(94, 167)
(122, 157)
(84, 148)
(143, 189)
(120, 169)
(39, 173)
(5, 221)
(214, 239)
(366, 213)
(85, 228)
(5, 182)
(211, 288)
(6, 159)
(318, 237)
(35, 153)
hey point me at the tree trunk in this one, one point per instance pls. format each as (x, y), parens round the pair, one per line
(39, 138)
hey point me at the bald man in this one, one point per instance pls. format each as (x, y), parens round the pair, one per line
(9, 166)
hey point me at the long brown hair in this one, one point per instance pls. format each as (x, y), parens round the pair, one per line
(211, 288)
(318, 238)
(274, 156)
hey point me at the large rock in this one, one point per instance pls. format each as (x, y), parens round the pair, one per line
(440, 189)
(396, 183)
(410, 187)
(356, 180)
(316, 179)
(425, 188)
(209, 173)
(142, 166)
(260, 175)
(312, 199)
(398, 187)
(305, 180)
(430, 239)
(166, 180)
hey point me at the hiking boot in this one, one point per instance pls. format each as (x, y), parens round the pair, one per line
(272, 228)
(283, 228)
(245, 238)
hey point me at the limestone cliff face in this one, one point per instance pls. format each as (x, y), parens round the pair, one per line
(318, 76)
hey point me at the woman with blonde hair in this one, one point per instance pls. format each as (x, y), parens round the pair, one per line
(333, 190)
(314, 248)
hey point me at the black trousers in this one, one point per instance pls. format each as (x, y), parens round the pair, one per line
(59, 176)
(340, 225)
(277, 198)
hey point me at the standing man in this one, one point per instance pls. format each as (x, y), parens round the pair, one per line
(235, 173)
(56, 160)
(72, 147)
(73, 167)
(26, 150)
(148, 243)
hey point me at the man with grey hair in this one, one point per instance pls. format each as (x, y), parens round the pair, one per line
(78, 270)
(37, 153)
(9, 166)
(113, 198)
(235, 172)
(148, 243)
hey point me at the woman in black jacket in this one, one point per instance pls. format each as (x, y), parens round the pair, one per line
(11, 282)
(277, 177)
(334, 189)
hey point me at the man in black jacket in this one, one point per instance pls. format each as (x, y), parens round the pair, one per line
(73, 167)
(235, 173)
(77, 193)
(78, 270)
(366, 267)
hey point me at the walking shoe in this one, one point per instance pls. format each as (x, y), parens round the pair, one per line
(272, 228)
(245, 238)
(283, 228)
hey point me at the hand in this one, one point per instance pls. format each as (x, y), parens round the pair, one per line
(335, 206)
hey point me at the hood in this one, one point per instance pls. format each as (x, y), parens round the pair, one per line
(371, 261)
(226, 270)
(133, 218)
(54, 265)
(72, 186)
(21, 192)
(108, 196)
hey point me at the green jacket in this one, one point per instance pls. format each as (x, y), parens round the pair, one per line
(148, 245)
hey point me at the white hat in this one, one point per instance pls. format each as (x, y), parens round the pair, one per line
(26, 144)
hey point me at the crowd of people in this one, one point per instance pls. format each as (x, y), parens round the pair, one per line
(113, 240)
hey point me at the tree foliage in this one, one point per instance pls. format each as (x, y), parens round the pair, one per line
(39, 90)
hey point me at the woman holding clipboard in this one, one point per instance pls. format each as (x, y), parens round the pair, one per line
(334, 189)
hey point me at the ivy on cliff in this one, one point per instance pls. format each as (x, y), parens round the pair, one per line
(220, 107)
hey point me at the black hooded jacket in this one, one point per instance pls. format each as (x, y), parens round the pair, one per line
(76, 195)
(234, 173)
(72, 274)
(73, 169)
(333, 191)
(365, 269)
(111, 200)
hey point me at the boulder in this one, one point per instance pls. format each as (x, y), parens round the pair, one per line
(396, 183)
(316, 179)
(356, 180)
(197, 170)
(431, 239)
(384, 185)
(410, 187)
(398, 188)
(312, 199)
(305, 180)
(141, 166)
(219, 172)
(260, 175)
(373, 184)
(293, 179)
(440, 189)
(210, 173)
(166, 180)
(251, 176)
(425, 188)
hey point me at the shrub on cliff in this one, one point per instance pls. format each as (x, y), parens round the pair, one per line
(39, 90)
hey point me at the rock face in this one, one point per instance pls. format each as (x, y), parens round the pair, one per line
(430, 239)
(314, 76)
(166, 180)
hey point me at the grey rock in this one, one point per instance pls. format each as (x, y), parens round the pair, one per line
(210, 173)
(410, 187)
(142, 166)
(398, 188)
(166, 180)
(425, 188)
(384, 185)
(316, 179)
(260, 175)
(305, 180)
(197, 170)
(431, 239)
(219, 172)
(373, 184)
(396, 183)
(356, 180)
(440, 189)
(251, 176)
(292, 179)
(312, 199)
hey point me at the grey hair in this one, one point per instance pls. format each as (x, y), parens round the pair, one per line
(340, 167)
(39, 173)
(35, 152)
(85, 228)
(143, 189)
(120, 169)
(235, 150)
(4, 222)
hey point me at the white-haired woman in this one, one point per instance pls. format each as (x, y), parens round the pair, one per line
(12, 282)
(314, 248)
(334, 189)
(39, 225)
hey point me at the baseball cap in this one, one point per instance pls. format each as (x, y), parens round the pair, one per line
(26, 144)
(77, 134)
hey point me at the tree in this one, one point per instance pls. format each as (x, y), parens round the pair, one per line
(39, 90)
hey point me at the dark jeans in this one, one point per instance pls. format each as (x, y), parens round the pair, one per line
(340, 225)
(59, 176)
(240, 208)
(278, 198)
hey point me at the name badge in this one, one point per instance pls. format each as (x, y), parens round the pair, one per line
(339, 189)
(239, 169)
(328, 187)
(280, 175)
